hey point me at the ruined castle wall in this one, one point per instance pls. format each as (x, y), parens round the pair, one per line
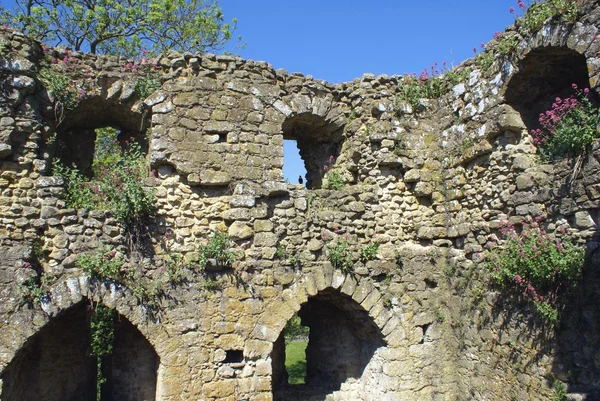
(433, 183)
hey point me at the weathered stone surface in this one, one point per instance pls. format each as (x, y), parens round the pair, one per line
(431, 183)
(239, 231)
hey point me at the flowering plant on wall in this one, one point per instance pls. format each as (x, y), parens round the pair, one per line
(536, 265)
(569, 127)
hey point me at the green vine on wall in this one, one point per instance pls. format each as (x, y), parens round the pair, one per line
(102, 330)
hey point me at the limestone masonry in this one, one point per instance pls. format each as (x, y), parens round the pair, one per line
(431, 183)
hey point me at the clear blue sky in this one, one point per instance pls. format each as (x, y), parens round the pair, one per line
(339, 40)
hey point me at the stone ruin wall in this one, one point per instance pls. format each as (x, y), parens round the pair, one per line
(433, 183)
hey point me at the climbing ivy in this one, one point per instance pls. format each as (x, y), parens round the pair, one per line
(102, 331)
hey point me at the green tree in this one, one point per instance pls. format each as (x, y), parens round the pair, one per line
(124, 27)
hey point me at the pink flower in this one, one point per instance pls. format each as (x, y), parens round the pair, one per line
(27, 265)
(325, 167)
(497, 34)
(511, 10)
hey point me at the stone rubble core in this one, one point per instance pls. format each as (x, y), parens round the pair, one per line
(432, 183)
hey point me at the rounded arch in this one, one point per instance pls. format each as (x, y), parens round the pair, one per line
(57, 362)
(316, 125)
(75, 141)
(68, 294)
(347, 324)
(544, 74)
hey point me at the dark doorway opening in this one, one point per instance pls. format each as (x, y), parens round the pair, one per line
(342, 339)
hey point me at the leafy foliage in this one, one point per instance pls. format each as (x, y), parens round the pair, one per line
(541, 10)
(104, 264)
(124, 27)
(334, 181)
(340, 256)
(537, 265)
(34, 288)
(103, 337)
(62, 78)
(333, 178)
(146, 76)
(369, 251)
(118, 182)
(294, 329)
(569, 127)
(507, 45)
(430, 84)
(218, 248)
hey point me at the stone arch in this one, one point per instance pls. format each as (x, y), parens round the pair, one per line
(544, 74)
(56, 362)
(332, 304)
(68, 294)
(317, 126)
(548, 64)
(76, 133)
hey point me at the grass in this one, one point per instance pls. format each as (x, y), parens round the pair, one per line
(295, 361)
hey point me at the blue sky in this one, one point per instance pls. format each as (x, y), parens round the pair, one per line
(339, 40)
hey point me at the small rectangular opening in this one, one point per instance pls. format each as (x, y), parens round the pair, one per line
(234, 356)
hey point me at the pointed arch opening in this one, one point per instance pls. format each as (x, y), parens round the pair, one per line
(57, 363)
(342, 340)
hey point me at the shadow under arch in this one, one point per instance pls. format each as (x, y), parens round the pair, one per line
(76, 133)
(342, 341)
(544, 74)
(317, 139)
(56, 363)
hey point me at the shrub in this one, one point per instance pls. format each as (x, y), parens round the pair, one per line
(536, 14)
(146, 76)
(340, 256)
(537, 265)
(218, 248)
(334, 179)
(65, 80)
(103, 264)
(118, 181)
(569, 127)
(369, 252)
(430, 84)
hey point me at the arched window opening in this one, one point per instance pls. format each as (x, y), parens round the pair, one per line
(317, 141)
(88, 127)
(544, 75)
(342, 339)
(57, 363)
